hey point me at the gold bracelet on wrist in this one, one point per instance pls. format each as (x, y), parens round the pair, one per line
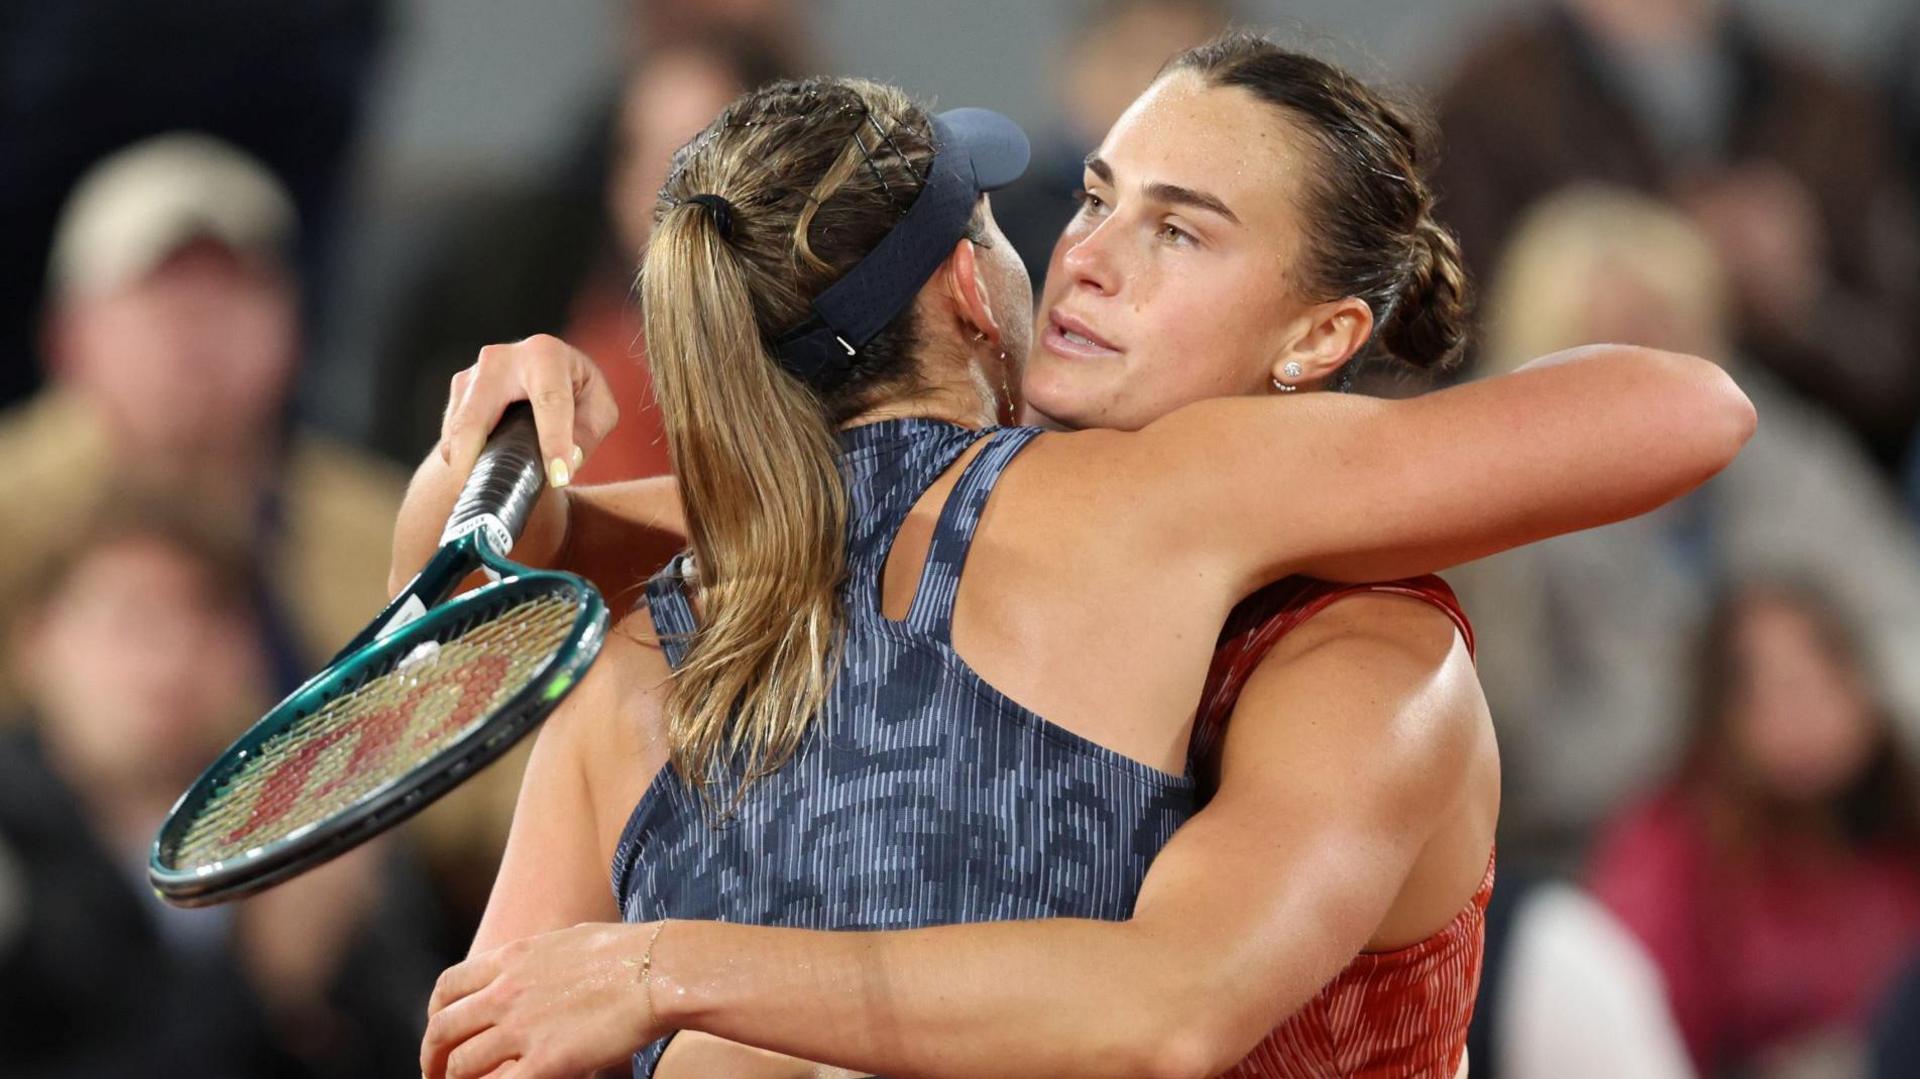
(646, 971)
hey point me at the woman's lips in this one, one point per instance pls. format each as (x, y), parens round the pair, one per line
(1068, 336)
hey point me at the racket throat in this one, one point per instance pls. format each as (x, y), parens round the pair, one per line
(410, 608)
(489, 529)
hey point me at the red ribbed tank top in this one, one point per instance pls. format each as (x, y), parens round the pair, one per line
(1397, 1013)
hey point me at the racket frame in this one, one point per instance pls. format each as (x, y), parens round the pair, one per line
(476, 540)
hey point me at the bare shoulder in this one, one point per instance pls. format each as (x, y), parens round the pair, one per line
(1198, 484)
(1071, 468)
(1388, 675)
(613, 724)
(638, 676)
(1065, 490)
(1190, 449)
(1106, 502)
(1374, 713)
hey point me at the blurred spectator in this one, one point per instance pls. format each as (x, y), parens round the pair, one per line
(1112, 52)
(1580, 666)
(1776, 878)
(140, 654)
(1789, 170)
(1913, 481)
(560, 257)
(1895, 1052)
(172, 339)
(783, 26)
(287, 80)
(172, 335)
(1903, 86)
(1567, 992)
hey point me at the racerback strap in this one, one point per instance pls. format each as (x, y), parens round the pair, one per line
(933, 600)
(672, 612)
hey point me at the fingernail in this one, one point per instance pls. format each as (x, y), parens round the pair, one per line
(558, 473)
(579, 458)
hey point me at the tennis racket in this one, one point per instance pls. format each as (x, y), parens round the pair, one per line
(430, 692)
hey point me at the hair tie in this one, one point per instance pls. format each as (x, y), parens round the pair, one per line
(722, 212)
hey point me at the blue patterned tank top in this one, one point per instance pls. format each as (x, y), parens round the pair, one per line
(921, 795)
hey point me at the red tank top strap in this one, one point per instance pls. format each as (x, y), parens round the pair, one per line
(1260, 620)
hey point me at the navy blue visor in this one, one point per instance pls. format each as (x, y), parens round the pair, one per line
(975, 151)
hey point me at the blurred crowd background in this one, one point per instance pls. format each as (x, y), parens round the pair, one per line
(248, 244)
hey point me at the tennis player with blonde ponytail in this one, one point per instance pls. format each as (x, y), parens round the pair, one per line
(919, 671)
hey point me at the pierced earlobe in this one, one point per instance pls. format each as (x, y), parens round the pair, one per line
(1292, 371)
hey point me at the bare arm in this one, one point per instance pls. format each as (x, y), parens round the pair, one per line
(548, 870)
(589, 764)
(1332, 485)
(615, 535)
(1353, 488)
(1239, 922)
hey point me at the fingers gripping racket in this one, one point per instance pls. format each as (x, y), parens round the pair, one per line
(426, 695)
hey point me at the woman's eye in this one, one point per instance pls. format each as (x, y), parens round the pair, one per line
(1175, 234)
(1089, 202)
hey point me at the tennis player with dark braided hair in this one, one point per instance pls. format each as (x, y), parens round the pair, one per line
(818, 721)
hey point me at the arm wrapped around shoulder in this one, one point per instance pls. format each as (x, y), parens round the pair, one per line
(1355, 489)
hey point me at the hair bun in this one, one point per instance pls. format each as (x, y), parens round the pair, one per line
(1429, 322)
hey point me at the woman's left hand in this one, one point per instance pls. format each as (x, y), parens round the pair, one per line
(562, 1004)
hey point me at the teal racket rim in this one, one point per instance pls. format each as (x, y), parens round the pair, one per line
(185, 879)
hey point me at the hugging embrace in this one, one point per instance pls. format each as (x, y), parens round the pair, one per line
(1052, 696)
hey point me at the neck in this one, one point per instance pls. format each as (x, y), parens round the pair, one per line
(1033, 417)
(962, 394)
(920, 410)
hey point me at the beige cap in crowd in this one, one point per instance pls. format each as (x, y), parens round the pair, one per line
(140, 205)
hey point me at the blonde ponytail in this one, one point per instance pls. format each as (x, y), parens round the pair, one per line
(773, 202)
(766, 511)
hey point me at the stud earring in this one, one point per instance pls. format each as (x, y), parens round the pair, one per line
(1293, 371)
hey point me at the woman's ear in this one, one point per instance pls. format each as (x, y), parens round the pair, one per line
(1334, 331)
(971, 299)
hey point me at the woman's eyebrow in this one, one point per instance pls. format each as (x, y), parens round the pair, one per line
(1168, 193)
(1187, 196)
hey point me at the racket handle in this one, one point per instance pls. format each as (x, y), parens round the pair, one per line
(504, 485)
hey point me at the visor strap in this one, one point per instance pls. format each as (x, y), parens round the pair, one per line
(853, 310)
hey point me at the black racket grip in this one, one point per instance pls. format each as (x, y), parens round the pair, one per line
(505, 483)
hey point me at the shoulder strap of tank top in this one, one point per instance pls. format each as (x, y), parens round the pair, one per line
(1259, 622)
(933, 600)
(671, 610)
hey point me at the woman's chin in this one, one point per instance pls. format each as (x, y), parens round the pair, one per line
(1033, 417)
(1055, 395)
(1056, 412)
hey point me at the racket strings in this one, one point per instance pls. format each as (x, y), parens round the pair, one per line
(378, 728)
